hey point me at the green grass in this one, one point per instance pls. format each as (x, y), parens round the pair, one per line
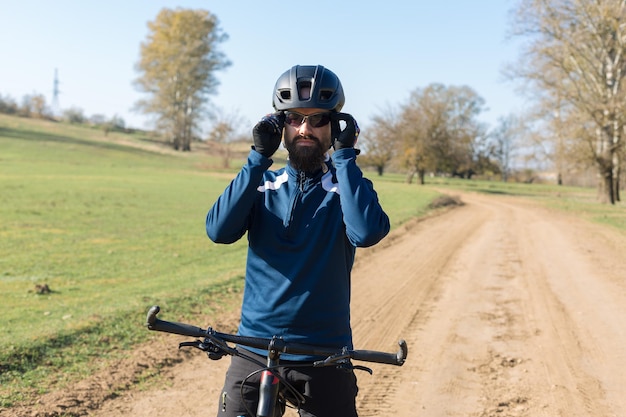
(102, 224)
(402, 201)
(112, 230)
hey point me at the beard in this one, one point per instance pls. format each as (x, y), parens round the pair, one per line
(305, 158)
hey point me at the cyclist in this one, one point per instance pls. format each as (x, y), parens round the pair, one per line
(304, 222)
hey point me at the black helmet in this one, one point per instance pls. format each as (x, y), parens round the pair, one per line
(293, 87)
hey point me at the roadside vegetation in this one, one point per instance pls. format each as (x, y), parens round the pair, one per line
(95, 229)
(582, 202)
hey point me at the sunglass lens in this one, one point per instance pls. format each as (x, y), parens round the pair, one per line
(294, 119)
(319, 120)
(315, 120)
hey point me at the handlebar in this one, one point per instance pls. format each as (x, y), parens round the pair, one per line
(278, 344)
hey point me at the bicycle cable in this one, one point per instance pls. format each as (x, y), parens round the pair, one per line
(298, 399)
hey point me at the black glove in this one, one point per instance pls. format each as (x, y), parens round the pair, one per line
(268, 133)
(347, 137)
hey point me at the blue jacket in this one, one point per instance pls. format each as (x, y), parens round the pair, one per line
(303, 230)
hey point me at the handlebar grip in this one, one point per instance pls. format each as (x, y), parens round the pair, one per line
(153, 323)
(382, 357)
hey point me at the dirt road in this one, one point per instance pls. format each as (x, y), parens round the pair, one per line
(508, 309)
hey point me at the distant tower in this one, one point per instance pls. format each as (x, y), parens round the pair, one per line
(56, 110)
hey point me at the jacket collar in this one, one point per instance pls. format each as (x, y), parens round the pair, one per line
(324, 168)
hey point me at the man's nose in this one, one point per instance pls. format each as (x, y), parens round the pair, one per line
(304, 127)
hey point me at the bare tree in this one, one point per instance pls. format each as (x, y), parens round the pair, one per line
(379, 143)
(575, 61)
(506, 138)
(225, 131)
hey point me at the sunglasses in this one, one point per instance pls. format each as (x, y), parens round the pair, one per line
(296, 119)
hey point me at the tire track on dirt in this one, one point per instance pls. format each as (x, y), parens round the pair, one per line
(520, 319)
(462, 356)
(574, 307)
(393, 293)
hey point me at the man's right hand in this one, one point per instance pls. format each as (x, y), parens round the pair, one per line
(268, 133)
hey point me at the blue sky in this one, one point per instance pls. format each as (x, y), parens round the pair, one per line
(380, 50)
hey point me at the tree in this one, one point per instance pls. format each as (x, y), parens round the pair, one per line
(575, 61)
(224, 133)
(380, 143)
(506, 136)
(8, 105)
(177, 65)
(39, 107)
(439, 131)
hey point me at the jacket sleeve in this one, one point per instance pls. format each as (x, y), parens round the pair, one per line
(228, 219)
(366, 222)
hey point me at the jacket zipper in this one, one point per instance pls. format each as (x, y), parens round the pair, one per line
(295, 199)
(301, 180)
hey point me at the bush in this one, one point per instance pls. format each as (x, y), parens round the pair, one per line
(8, 105)
(445, 201)
(74, 115)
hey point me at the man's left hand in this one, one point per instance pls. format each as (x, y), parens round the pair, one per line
(347, 137)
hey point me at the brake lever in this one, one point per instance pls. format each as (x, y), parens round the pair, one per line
(332, 360)
(342, 361)
(363, 368)
(213, 352)
(196, 344)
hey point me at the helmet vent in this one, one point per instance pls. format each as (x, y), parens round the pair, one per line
(285, 95)
(304, 90)
(325, 95)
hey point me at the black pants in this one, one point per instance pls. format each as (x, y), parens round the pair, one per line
(328, 391)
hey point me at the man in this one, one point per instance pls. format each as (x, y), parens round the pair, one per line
(304, 222)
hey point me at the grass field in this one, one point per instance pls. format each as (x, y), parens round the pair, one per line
(113, 229)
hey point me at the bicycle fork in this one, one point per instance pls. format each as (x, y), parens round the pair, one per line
(268, 394)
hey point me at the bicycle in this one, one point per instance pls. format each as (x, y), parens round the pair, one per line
(274, 391)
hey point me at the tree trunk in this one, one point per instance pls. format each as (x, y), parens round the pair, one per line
(225, 155)
(409, 176)
(606, 186)
(605, 158)
(616, 176)
(187, 135)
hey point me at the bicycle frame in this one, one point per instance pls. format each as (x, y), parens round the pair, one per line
(216, 346)
(269, 386)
